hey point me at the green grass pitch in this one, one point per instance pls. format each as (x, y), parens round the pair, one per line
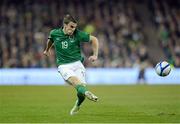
(118, 103)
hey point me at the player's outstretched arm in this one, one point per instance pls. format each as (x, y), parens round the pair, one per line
(95, 47)
(48, 47)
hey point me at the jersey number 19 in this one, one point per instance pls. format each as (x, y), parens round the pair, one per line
(64, 44)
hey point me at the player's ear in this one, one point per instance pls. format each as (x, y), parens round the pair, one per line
(65, 25)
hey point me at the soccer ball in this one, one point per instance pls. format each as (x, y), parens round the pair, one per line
(163, 68)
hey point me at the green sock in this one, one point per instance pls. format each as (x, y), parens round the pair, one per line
(81, 98)
(80, 94)
(81, 89)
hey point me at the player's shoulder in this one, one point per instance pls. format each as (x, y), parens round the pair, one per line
(80, 32)
(55, 30)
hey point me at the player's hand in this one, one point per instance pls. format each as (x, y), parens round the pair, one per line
(93, 58)
(47, 53)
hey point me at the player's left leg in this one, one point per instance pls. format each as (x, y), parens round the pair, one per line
(79, 101)
(81, 89)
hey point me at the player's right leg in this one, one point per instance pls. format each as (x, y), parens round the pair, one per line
(73, 79)
(80, 72)
(81, 89)
(78, 102)
(82, 93)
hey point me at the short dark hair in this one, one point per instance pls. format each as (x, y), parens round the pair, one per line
(68, 18)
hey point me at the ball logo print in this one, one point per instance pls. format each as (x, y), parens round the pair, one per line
(163, 68)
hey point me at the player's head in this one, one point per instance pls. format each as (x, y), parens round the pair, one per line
(69, 24)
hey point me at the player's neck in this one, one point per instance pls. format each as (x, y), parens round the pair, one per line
(64, 31)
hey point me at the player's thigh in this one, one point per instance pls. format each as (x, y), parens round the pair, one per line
(74, 81)
(69, 75)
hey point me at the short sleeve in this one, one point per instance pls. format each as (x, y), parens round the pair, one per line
(51, 35)
(84, 37)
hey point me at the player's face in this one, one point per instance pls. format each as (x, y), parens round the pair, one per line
(70, 28)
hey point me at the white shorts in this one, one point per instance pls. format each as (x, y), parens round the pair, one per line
(72, 69)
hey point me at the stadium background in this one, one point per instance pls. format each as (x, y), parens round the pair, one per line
(127, 31)
(123, 29)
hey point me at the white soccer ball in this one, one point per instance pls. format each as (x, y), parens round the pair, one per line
(163, 68)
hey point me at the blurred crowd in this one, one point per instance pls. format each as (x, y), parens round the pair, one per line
(25, 26)
(167, 21)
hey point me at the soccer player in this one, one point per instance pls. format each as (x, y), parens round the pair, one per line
(66, 41)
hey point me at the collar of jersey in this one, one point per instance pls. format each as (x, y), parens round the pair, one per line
(61, 29)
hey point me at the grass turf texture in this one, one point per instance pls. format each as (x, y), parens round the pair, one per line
(158, 103)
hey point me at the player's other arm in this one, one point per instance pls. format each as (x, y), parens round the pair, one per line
(95, 47)
(48, 47)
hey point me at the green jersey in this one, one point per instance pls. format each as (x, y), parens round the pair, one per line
(67, 48)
